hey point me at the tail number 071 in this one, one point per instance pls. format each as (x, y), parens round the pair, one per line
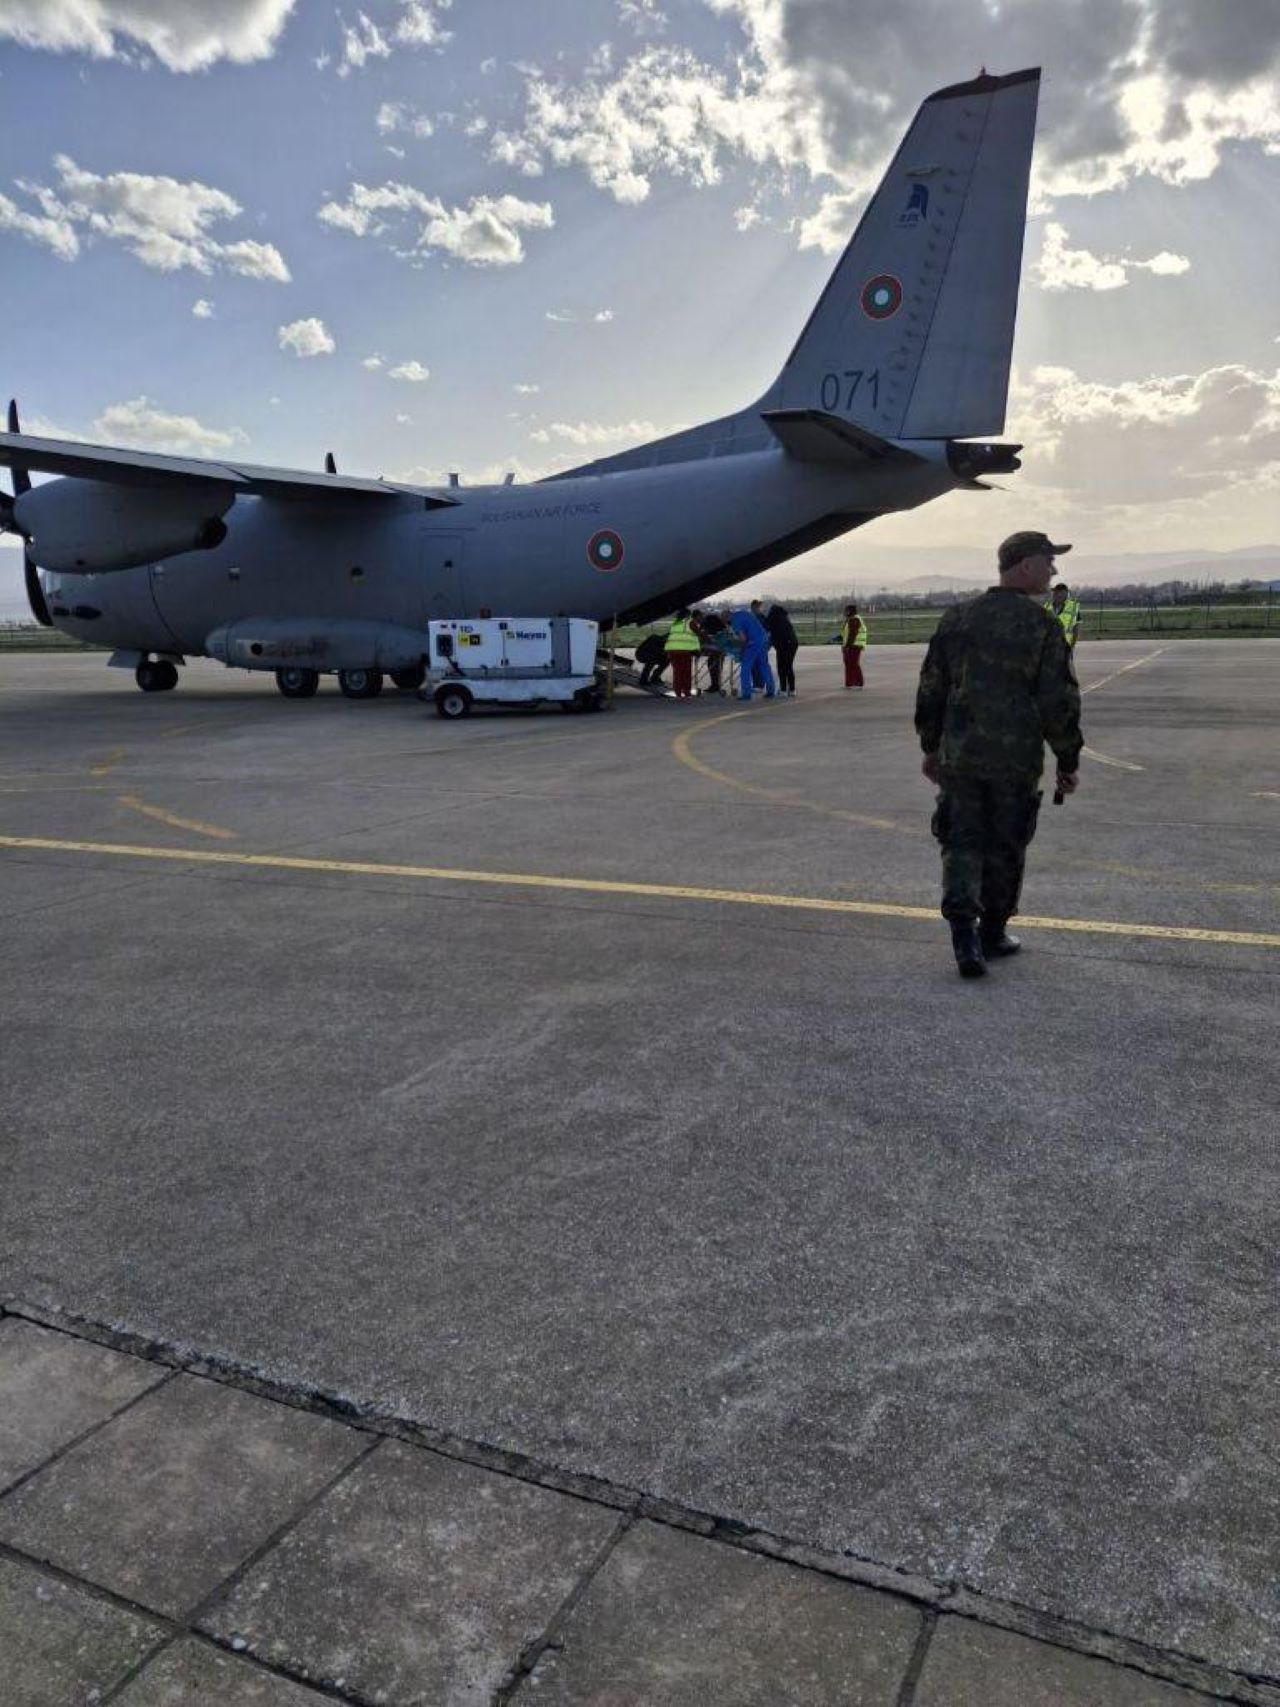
(849, 383)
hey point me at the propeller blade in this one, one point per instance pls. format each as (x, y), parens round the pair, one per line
(35, 592)
(21, 479)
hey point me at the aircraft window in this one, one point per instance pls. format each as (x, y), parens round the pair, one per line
(444, 646)
(357, 573)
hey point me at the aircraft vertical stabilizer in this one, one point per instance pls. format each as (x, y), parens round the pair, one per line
(913, 334)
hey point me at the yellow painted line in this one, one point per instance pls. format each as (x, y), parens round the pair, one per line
(113, 758)
(1265, 794)
(603, 886)
(135, 805)
(1124, 670)
(683, 751)
(1105, 759)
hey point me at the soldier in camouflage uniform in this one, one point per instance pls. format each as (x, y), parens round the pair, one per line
(996, 685)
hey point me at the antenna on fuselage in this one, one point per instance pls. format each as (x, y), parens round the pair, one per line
(330, 463)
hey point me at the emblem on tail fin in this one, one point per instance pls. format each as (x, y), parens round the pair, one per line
(882, 296)
(917, 208)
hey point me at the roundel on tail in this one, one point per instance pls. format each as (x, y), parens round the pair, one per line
(605, 550)
(881, 296)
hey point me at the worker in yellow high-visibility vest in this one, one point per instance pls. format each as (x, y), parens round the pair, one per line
(853, 638)
(1067, 611)
(683, 646)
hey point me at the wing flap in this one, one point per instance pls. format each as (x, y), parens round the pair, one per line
(151, 468)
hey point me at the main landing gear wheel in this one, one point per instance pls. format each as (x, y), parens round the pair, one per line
(297, 683)
(360, 684)
(409, 681)
(156, 677)
(453, 702)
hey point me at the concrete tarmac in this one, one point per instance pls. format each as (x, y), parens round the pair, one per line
(755, 1207)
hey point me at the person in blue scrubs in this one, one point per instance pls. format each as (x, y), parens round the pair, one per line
(754, 664)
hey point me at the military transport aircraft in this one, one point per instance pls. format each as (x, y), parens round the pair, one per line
(903, 361)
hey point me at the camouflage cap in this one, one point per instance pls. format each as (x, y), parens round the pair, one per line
(1019, 546)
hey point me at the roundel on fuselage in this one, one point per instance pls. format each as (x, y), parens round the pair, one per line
(605, 550)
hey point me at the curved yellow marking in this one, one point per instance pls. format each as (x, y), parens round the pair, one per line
(1123, 670)
(1105, 759)
(603, 886)
(1265, 794)
(113, 758)
(135, 805)
(680, 746)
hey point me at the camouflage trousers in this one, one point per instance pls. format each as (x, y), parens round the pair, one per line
(984, 827)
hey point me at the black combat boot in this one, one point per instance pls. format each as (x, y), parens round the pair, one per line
(968, 946)
(997, 943)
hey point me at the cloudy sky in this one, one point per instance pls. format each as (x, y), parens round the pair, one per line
(492, 235)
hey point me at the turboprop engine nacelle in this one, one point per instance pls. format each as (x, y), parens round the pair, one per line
(90, 527)
(284, 643)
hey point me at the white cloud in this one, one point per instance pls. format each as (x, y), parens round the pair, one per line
(418, 25)
(603, 316)
(1156, 440)
(203, 310)
(593, 433)
(562, 316)
(141, 426)
(413, 372)
(1137, 88)
(373, 363)
(486, 232)
(528, 390)
(398, 115)
(1061, 268)
(184, 35)
(404, 420)
(55, 232)
(164, 222)
(306, 338)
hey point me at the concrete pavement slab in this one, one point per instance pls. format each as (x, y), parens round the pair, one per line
(168, 1499)
(418, 1581)
(194, 1674)
(60, 1645)
(53, 1387)
(974, 1665)
(672, 1620)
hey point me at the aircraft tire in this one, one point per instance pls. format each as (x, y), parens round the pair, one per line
(453, 702)
(360, 684)
(409, 681)
(156, 677)
(297, 683)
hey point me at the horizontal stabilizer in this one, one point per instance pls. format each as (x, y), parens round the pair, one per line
(148, 468)
(813, 436)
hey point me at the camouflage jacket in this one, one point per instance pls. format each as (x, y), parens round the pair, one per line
(996, 685)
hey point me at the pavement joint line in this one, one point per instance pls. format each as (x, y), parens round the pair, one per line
(527, 1661)
(70, 1446)
(915, 1665)
(950, 1598)
(609, 886)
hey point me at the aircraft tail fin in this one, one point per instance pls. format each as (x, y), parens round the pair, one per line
(912, 337)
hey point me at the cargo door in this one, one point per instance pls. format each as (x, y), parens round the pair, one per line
(442, 577)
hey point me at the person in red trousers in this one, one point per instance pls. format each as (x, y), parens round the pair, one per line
(853, 637)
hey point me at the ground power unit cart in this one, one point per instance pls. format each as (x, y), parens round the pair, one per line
(512, 660)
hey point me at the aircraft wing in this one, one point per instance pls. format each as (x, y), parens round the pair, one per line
(814, 436)
(150, 468)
